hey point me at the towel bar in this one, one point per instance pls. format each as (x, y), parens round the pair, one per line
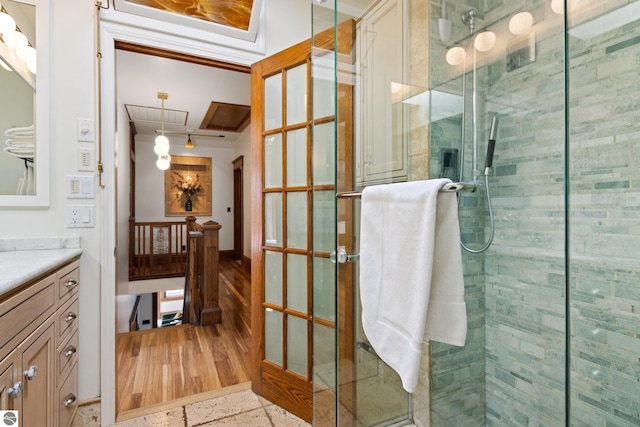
(453, 187)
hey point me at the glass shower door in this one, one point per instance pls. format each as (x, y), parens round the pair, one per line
(604, 198)
(359, 139)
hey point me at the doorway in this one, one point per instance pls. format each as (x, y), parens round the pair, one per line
(238, 210)
(184, 349)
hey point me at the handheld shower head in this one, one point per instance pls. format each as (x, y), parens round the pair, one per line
(469, 18)
(494, 128)
(491, 145)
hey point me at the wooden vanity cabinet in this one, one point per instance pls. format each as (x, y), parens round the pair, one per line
(38, 353)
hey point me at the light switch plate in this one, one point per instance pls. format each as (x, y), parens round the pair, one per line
(86, 159)
(80, 186)
(86, 130)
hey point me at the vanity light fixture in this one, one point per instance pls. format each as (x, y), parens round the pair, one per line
(455, 55)
(521, 23)
(162, 142)
(485, 41)
(7, 23)
(26, 54)
(189, 144)
(15, 39)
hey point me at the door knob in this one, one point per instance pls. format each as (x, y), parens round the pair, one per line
(341, 256)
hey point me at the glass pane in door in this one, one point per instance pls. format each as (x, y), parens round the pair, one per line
(273, 161)
(297, 94)
(273, 336)
(297, 353)
(297, 220)
(273, 102)
(297, 158)
(273, 277)
(297, 282)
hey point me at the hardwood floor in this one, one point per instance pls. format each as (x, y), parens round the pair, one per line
(163, 364)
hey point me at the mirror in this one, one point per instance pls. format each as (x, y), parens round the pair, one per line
(24, 159)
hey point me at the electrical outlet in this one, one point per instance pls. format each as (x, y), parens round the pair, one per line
(80, 216)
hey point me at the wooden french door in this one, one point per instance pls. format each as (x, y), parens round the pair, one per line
(296, 189)
(281, 245)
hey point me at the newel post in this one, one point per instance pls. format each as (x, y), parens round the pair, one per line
(191, 223)
(211, 312)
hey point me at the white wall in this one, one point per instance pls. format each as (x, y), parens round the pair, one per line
(288, 23)
(73, 95)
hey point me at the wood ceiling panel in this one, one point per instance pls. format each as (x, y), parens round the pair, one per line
(226, 117)
(232, 13)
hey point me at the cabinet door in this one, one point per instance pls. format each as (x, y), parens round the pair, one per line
(10, 386)
(37, 354)
(383, 147)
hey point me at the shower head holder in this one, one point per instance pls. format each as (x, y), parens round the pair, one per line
(469, 18)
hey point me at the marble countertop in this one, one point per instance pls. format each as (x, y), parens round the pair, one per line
(23, 259)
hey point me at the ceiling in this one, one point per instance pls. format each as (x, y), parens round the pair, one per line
(191, 89)
(206, 99)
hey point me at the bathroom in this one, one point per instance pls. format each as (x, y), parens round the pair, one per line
(551, 303)
(549, 236)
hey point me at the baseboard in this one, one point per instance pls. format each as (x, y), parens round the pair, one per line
(246, 264)
(226, 254)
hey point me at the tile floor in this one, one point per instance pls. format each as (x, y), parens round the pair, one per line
(240, 409)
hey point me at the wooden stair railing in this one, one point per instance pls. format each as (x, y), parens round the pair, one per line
(201, 303)
(157, 249)
(133, 319)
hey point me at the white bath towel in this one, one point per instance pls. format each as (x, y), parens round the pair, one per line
(411, 283)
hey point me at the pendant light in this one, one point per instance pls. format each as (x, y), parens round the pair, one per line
(189, 144)
(162, 142)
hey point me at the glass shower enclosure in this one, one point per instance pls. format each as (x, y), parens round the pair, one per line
(407, 90)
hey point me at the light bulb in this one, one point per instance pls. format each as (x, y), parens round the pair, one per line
(7, 23)
(163, 162)
(521, 23)
(161, 149)
(557, 6)
(161, 139)
(485, 41)
(15, 39)
(31, 66)
(455, 55)
(26, 53)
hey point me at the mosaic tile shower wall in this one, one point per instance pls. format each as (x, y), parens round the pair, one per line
(512, 372)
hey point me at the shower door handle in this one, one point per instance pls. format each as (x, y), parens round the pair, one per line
(341, 256)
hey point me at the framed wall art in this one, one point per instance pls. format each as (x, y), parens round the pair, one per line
(187, 186)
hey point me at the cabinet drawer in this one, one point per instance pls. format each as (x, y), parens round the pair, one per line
(22, 313)
(67, 398)
(67, 320)
(67, 355)
(68, 281)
